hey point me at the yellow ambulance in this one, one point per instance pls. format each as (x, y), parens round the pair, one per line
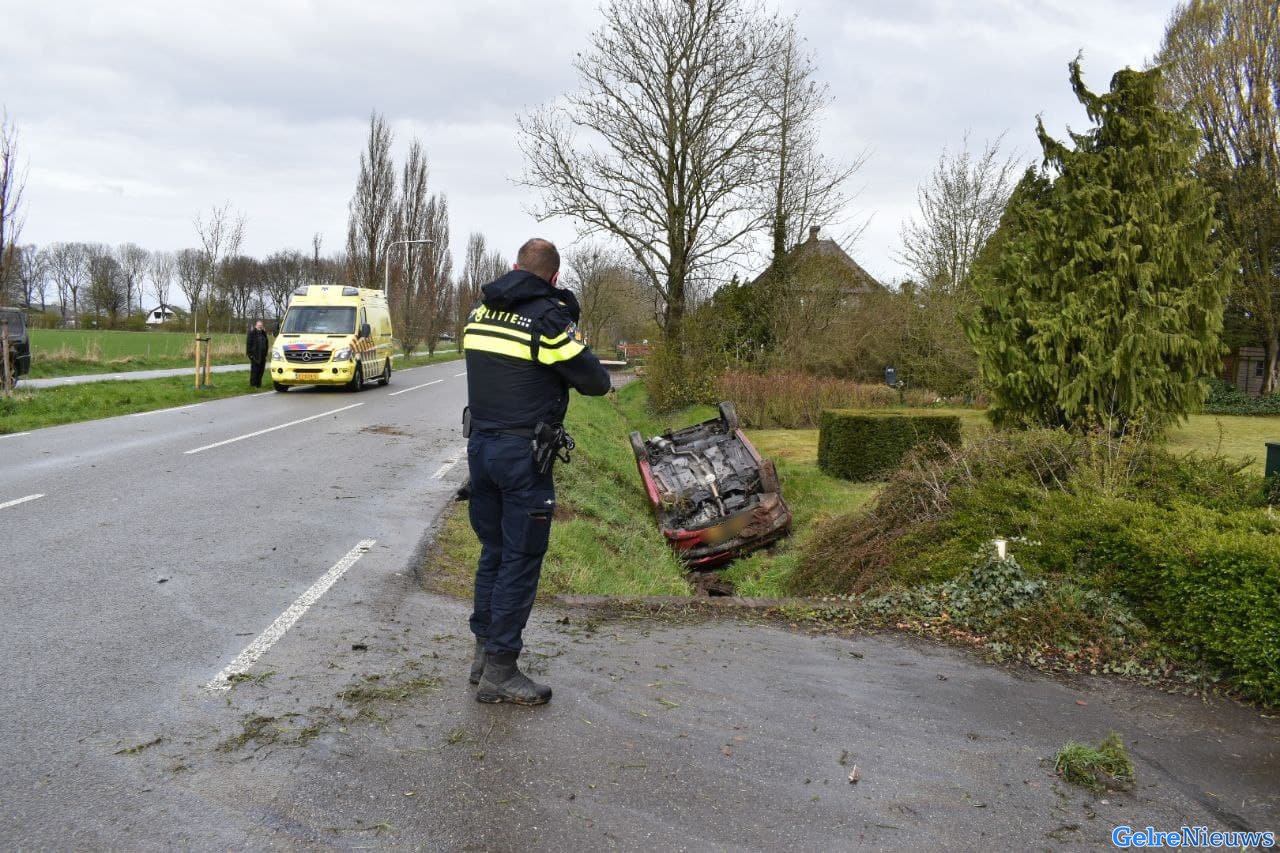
(333, 335)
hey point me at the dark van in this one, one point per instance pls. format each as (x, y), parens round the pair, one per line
(19, 354)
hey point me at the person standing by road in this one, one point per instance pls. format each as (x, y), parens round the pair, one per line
(524, 352)
(257, 346)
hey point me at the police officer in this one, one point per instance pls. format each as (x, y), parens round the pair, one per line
(524, 353)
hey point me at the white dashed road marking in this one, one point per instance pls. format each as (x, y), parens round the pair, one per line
(415, 387)
(286, 620)
(449, 463)
(270, 429)
(14, 434)
(171, 409)
(17, 501)
(456, 375)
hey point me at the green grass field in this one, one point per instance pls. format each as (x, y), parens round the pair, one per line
(77, 352)
(73, 352)
(29, 409)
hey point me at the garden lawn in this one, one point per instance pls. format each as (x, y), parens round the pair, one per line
(32, 409)
(1242, 437)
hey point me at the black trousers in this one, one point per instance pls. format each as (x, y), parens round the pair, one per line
(511, 508)
(255, 373)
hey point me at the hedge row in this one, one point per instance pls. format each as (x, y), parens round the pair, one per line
(1209, 581)
(1225, 399)
(857, 445)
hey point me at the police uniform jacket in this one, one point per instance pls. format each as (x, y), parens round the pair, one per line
(524, 352)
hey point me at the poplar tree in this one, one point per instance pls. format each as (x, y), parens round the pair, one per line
(1104, 306)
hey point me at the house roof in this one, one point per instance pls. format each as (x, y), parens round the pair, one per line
(818, 249)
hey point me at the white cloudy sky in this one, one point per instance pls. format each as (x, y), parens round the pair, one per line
(134, 116)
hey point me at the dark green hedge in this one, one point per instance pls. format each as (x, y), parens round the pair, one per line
(1209, 581)
(1224, 399)
(868, 445)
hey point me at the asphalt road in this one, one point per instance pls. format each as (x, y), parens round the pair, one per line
(146, 569)
(154, 555)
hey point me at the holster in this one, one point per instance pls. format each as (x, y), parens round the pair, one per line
(466, 422)
(550, 442)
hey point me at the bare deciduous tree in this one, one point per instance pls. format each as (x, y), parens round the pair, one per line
(469, 283)
(675, 126)
(437, 277)
(408, 297)
(960, 208)
(106, 284)
(282, 273)
(160, 276)
(1221, 59)
(133, 267)
(241, 280)
(12, 183)
(804, 188)
(193, 278)
(69, 264)
(603, 285)
(370, 211)
(220, 237)
(32, 274)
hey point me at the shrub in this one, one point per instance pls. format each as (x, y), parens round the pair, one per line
(791, 399)
(1226, 399)
(865, 446)
(854, 552)
(1214, 591)
(1185, 542)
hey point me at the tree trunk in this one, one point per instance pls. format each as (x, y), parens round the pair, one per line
(1273, 356)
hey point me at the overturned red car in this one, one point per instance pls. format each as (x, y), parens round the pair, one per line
(714, 496)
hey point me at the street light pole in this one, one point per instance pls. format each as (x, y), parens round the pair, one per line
(386, 273)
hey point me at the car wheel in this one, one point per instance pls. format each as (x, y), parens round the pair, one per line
(281, 388)
(357, 378)
(728, 416)
(385, 379)
(638, 448)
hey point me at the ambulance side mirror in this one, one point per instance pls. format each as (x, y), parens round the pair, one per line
(365, 331)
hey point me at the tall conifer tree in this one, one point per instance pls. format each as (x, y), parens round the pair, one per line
(1104, 305)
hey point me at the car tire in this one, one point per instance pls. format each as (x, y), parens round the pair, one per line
(281, 388)
(357, 379)
(728, 416)
(638, 448)
(385, 379)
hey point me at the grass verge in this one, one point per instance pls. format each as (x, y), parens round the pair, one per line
(33, 409)
(606, 540)
(30, 409)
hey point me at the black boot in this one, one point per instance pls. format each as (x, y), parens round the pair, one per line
(504, 682)
(477, 663)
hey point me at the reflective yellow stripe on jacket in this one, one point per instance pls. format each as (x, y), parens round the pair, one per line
(504, 333)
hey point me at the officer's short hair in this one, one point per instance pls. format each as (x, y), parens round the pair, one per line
(539, 257)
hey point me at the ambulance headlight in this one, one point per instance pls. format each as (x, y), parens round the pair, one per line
(277, 354)
(342, 355)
